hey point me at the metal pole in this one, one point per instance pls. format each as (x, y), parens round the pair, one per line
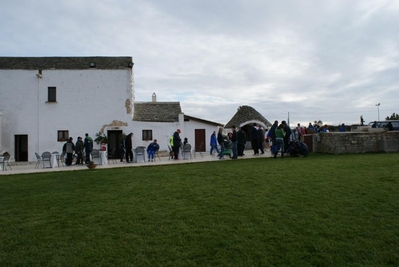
(378, 110)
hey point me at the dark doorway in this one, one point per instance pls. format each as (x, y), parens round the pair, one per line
(308, 140)
(21, 147)
(199, 136)
(114, 144)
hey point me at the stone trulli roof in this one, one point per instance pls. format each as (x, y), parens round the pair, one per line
(245, 114)
(47, 63)
(157, 111)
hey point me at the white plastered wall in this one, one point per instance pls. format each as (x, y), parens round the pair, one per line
(87, 101)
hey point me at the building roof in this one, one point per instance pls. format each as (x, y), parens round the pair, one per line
(188, 118)
(157, 111)
(247, 114)
(46, 63)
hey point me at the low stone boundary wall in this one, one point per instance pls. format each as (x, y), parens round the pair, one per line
(354, 142)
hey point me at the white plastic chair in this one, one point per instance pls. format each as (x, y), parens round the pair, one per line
(139, 154)
(95, 155)
(4, 161)
(46, 156)
(198, 149)
(111, 155)
(39, 160)
(186, 151)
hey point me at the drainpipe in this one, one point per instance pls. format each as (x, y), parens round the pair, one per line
(38, 114)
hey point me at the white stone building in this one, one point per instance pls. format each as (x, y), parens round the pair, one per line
(45, 100)
(162, 119)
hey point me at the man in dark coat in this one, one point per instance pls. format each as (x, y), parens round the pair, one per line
(261, 140)
(241, 140)
(79, 147)
(287, 135)
(389, 126)
(129, 147)
(272, 136)
(220, 139)
(123, 148)
(255, 139)
(234, 142)
(88, 144)
(68, 149)
(176, 144)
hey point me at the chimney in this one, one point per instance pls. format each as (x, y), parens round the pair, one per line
(154, 98)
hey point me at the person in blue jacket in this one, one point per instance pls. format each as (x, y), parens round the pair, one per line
(214, 143)
(151, 149)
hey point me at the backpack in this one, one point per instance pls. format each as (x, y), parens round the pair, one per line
(68, 148)
(88, 144)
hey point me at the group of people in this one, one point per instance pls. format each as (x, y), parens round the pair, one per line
(237, 140)
(126, 149)
(81, 148)
(217, 143)
(316, 128)
(258, 139)
(279, 136)
(276, 138)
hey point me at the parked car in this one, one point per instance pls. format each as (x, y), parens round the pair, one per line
(383, 124)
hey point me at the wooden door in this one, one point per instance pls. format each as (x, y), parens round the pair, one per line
(199, 136)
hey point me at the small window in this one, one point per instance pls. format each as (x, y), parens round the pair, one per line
(62, 135)
(147, 135)
(52, 94)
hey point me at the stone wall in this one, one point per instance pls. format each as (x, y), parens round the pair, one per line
(355, 142)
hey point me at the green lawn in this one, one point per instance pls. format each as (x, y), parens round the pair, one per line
(323, 210)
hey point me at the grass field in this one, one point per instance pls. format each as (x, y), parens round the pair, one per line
(323, 210)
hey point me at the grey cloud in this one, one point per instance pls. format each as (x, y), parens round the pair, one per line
(312, 59)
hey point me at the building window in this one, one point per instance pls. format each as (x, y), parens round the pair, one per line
(52, 94)
(62, 135)
(147, 135)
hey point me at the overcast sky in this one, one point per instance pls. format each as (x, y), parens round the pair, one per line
(314, 60)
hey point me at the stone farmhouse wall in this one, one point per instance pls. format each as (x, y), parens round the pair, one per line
(355, 142)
